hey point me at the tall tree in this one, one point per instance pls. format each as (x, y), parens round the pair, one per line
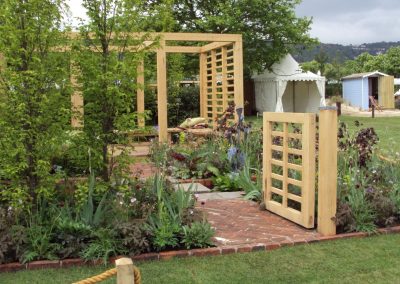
(108, 71)
(270, 28)
(33, 86)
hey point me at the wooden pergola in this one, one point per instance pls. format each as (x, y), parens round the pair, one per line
(221, 76)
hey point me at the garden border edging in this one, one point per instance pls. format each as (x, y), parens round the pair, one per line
(165, 255)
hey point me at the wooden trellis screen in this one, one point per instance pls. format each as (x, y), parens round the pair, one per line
(219, 86)
(289, 166)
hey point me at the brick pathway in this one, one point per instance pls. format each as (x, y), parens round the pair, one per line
(239, 222)
(144, 169)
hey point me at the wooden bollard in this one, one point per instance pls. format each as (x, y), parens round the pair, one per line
(125, 274)
(327, 167)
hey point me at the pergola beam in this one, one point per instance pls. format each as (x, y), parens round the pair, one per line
(183, 49)
(214, 45)
(207, 37)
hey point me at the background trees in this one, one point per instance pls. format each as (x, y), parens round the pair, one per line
(270, 28)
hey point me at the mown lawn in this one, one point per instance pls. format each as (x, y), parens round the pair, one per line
(369, 260)
(387, 128)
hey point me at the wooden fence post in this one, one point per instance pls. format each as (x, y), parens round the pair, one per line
(125, 274)
(327, 171)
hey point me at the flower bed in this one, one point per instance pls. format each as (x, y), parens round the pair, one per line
(96, 222)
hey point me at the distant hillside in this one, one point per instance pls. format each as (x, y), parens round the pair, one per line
(343, 52)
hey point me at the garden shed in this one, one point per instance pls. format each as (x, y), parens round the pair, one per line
(358, 88)
(287, 88)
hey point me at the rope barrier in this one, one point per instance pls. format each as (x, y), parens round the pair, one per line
(109, 273)
(387, 159)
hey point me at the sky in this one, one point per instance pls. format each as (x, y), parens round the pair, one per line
(353, 21)
(338, 21)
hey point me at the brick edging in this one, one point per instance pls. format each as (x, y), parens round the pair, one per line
(165, 255)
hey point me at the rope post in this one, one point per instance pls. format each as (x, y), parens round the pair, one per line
(373, 111)
(125, 271)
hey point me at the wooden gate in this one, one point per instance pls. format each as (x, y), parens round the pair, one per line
(289, 166)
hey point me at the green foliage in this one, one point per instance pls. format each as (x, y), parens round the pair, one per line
(73, 235)
(34, 109)
(367, 184)
(40, 243)
(365, 62)
(132, 236)
(197, 235)
(362, 211)
(12, 236)
(89, 214)
(106, 75)
(226, 182)
(104, 245)
(253, 189)
(174, 209)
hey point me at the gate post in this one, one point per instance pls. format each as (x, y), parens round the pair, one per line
(327, 171)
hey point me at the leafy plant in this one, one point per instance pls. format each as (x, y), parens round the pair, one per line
(40, 242)
(197, 235)
(226, 182)
(252, 188)
(89, 214)
(132, 236)
(103, 245)
(362, 211)
(12, 236)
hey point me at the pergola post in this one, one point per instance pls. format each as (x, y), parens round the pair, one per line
(203, 84)
(238, 67)
(77, 107)
(162, 93)
(140, 94)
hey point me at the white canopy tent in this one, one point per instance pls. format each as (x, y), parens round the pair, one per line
(288, 89)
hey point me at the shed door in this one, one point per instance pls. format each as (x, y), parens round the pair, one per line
(386, 91)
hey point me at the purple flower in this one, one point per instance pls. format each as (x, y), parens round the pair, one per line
(231, 152)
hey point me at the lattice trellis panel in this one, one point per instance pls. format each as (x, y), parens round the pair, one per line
(219, 78)
(289, 166)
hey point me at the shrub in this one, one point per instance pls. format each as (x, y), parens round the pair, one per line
(12, 236)
(197, 235)
(103, 245)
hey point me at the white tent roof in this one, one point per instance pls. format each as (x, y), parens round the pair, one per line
(287, 70)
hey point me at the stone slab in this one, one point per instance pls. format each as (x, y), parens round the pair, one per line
(195, 187)
(220, 195)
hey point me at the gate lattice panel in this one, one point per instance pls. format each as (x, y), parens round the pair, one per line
(289, 166)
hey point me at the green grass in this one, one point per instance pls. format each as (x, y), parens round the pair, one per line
(369, 260)
(387, 128)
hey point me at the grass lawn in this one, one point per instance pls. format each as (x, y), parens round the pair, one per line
(369, 260)
(387, 128)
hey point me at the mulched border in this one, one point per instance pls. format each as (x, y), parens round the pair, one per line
(165, 255)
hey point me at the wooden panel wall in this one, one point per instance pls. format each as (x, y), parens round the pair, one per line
(386, 91)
